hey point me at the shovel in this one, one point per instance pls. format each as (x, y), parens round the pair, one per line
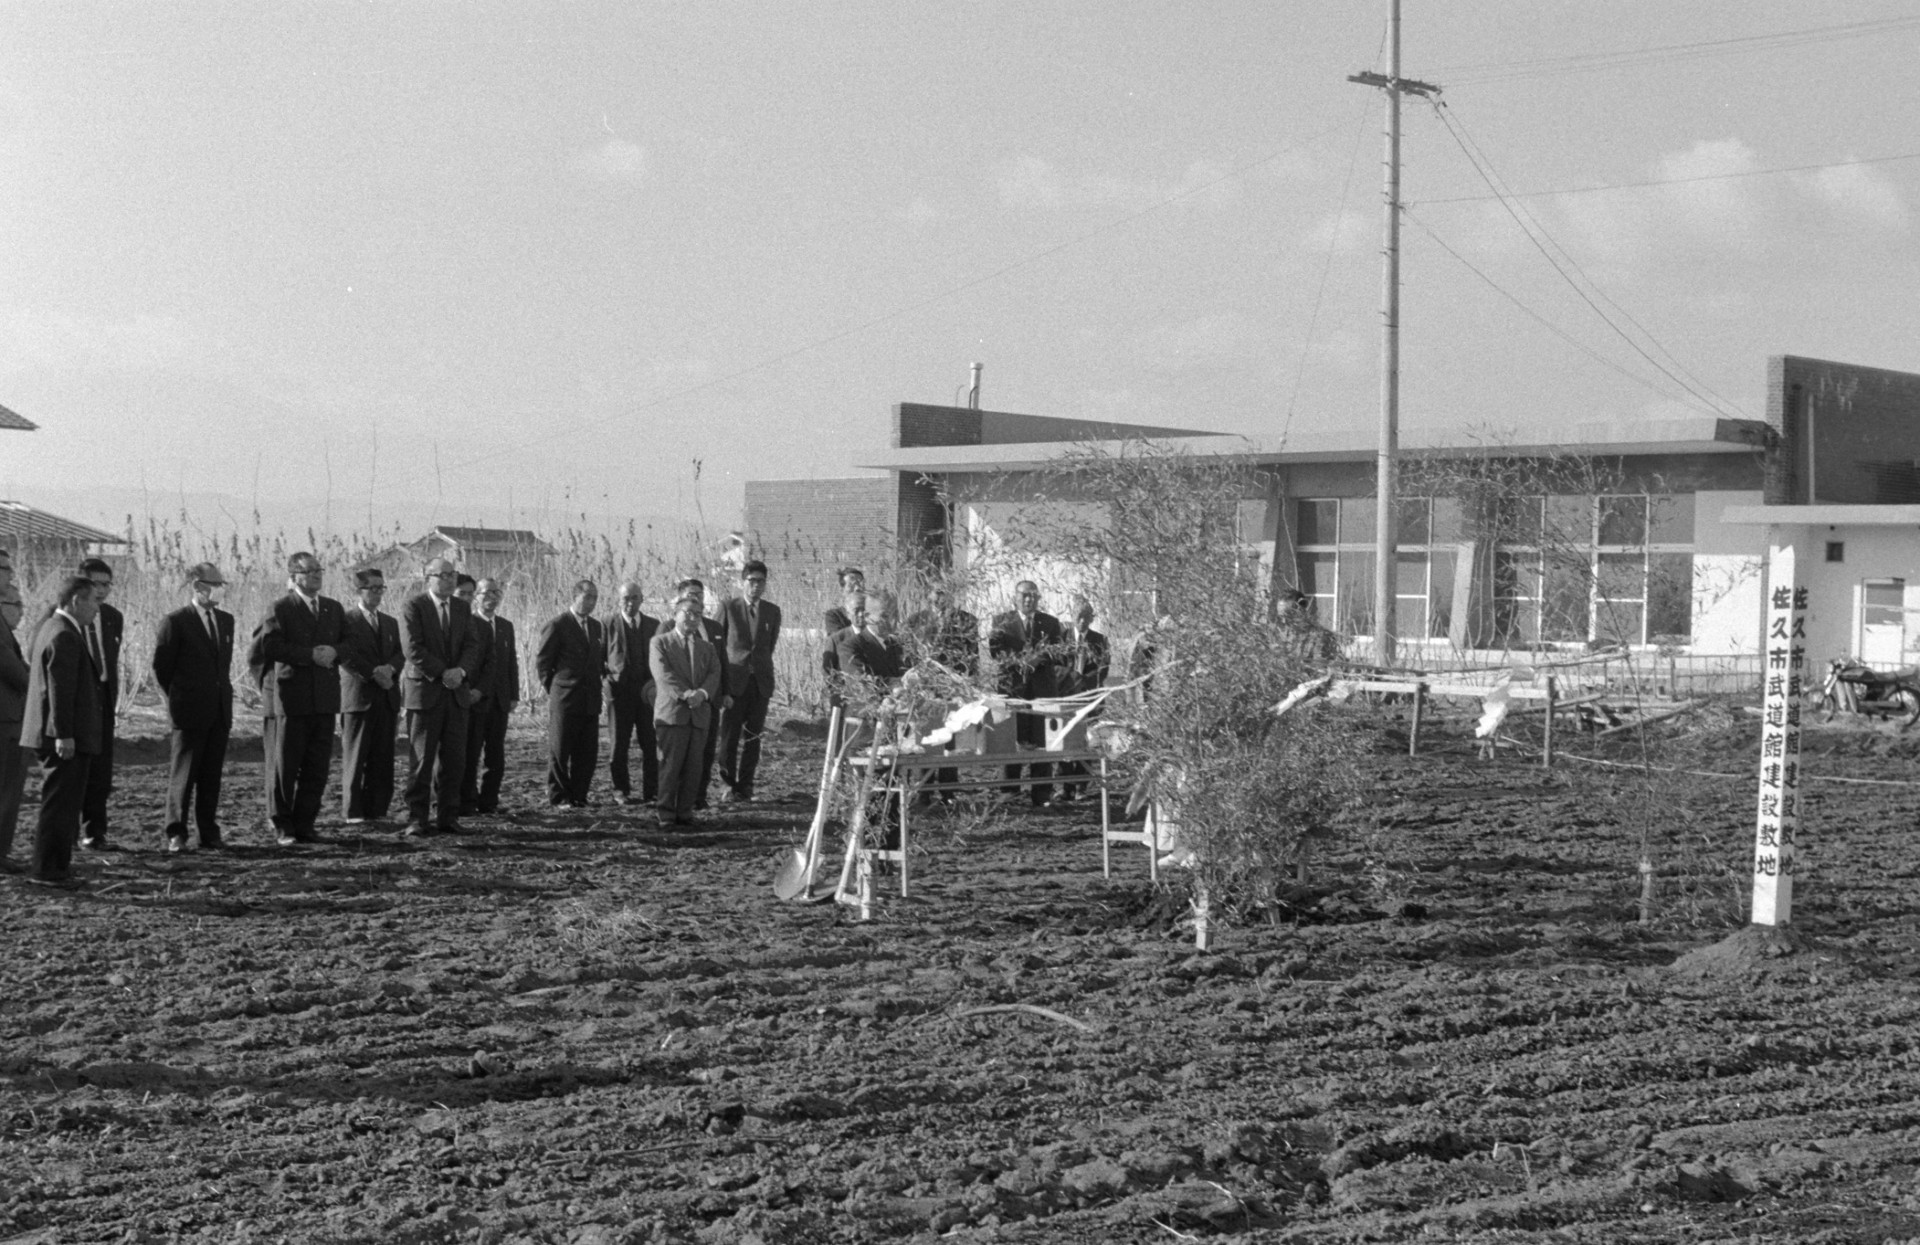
(796, 872)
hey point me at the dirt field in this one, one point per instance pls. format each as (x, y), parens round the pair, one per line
(579, 1028)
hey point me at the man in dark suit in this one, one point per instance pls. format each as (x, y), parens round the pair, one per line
(13, 711)
(715, 633)
(686, 678)
(293, 654)
(751, 626)
(370, 662)
(193, 666)
(497, 687)
(62, 725)
(442, 645)
(866, 654)
(629, 691)
(1084, 665)
(852, 579)
(1027, 643)
(571, 660)
(103, 638)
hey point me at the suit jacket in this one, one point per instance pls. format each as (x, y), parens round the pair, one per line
(13, 684)
(749, 649)
(570, 661)
(1026, 655)
(1084, 665)
(952, 639)
(681, 664)
(63, 689)
(863, 653)
(362, 649)
(194, 670)
(113, 629)
(281, 657)
(499, 683)
(629, 656)
(431, 651)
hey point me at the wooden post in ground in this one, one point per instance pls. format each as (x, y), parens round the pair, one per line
(1778, 813)
(1413, 728)
(1546, 749)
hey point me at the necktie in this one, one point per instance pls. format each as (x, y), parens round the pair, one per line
(443, 618)
(753, 619)
(206, 616)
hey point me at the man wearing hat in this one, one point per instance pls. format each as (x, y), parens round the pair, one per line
(193, 665)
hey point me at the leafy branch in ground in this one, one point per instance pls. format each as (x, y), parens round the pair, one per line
(1153, 536)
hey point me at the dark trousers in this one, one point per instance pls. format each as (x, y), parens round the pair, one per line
(633, 722)
(13, 783)
(680, 749)
(1031, 729)
(63, 789)
(299, 752)
(366, 761)
(573, 749)
(437, 757)
(93, 808)
(196, 760)
(486, 755)
(741, 725)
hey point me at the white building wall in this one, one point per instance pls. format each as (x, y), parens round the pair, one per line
(1834, 589)
(1729, 570)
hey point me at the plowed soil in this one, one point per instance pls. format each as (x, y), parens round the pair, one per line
(577, 1027)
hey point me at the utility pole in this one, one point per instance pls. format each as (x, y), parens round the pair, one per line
(1386, 553)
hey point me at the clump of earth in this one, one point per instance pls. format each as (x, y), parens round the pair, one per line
(579, 1027)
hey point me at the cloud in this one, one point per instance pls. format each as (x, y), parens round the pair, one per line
(1712, 207)
(1344, 231)
(1201, 342)
(616, 160)
(1033, 184)
(31, 338)
(922, 214)
(1861, 193)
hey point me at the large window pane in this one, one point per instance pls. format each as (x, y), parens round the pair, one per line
(1619, 622)
(1563, 608)
(1670, 595)
(1623, 520)
(1440, 593)
(1410, 616)
(1517, 520)
(1356, 520)
(1316, 574)
(1449, 521)
(1410, 575)
(1622, 577)
(1570, 522)
(1415, 523)
(1672, 519)
(1356, 592)
(1317, 521)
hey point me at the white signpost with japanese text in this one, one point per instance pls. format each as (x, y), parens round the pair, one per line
(1783, 673)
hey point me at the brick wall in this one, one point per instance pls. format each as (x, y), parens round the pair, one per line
(1849, 434)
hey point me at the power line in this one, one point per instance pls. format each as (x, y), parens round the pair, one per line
(1691, 380)
(1487, 176)
(1540, 319)
(1673, 181)
(1589, 62)
(1232, 174)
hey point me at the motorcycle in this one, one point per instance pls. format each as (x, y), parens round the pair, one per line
(1856, 687)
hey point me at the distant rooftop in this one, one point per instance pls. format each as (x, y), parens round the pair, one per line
(16, 423)
(488, 537)
(22, 524)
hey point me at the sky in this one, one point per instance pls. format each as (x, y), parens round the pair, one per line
(345, 265)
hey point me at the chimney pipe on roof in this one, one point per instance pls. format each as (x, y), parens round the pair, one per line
(973, 389)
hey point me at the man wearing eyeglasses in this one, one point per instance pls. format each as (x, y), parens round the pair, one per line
(442, 648)
(193, 664)
(497, 686)
(293, 655)
(752, 629)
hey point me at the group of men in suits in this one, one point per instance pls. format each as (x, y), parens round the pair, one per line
(589, 669)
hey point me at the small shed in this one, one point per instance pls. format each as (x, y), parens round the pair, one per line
(38, 539)
(481, 552)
